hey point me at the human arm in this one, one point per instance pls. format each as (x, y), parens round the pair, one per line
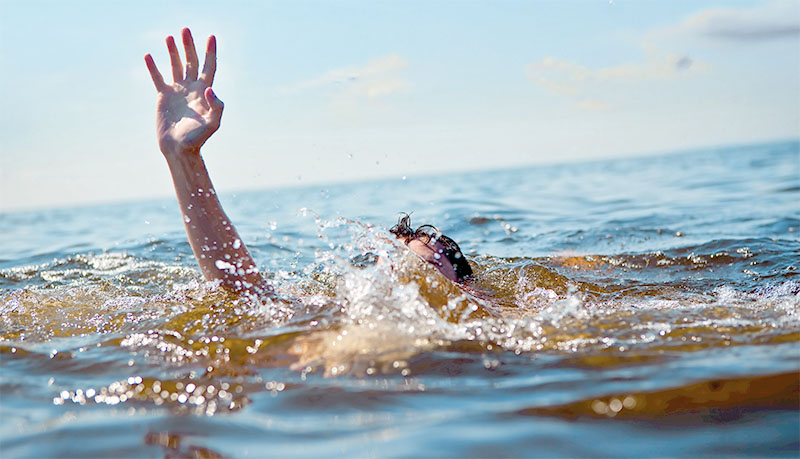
(187, 114)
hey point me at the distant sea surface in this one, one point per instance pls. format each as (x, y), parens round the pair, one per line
(638, 307)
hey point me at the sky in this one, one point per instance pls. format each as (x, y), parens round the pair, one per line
(323, 92)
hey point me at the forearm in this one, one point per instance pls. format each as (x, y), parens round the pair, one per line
(216, 245)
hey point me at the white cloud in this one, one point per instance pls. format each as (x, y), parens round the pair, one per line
(378, 77)
(581, 82)
(590, 87)
(776, 20)
(654, 68)
(593, 105)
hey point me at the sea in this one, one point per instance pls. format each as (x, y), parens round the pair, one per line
(642, 307)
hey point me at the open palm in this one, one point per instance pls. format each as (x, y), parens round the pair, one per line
(188, 111)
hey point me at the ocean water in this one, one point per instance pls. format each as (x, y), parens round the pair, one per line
(639, 307)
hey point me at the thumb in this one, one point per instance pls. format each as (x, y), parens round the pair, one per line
(213, 101)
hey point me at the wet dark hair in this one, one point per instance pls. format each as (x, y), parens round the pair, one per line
(451, 250)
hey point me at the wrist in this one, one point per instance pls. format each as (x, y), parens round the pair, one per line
(186, 163)
(175, 152)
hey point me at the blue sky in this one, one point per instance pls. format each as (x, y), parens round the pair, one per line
(319, 92)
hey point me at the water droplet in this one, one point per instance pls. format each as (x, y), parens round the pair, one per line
(237, 244)
(187, 219)
(599, 407)
(615, 405)
(629, 402)
(349, 156)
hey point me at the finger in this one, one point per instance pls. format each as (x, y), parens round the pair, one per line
(213, 100)
(175, 60)
(210, 65)
(215, 104)
(158, 80)
(191, 54)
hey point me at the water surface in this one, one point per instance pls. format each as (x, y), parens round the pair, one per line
(642, 307)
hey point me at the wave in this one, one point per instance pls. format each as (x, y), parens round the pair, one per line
(341, 317)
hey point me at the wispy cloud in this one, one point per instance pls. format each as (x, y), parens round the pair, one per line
(591, 87)
(378, 77)
(776, 20)
(654, 68)
(580, 82)
(593, 105)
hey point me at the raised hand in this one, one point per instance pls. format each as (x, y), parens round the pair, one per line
(188, 111)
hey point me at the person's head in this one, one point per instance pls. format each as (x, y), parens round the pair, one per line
(434, 247)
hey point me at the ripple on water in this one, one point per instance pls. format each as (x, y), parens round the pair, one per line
(626, 310)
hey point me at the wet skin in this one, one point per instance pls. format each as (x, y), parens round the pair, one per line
(188, 113)
(433, 252)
